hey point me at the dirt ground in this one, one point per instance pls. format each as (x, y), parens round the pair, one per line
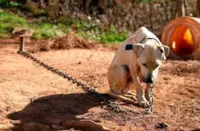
(35, 99)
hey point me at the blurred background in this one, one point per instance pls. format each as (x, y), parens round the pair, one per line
(100, 20)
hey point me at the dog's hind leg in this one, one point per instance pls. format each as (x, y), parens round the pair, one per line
(128, 86)
(127, 90)
(119, 85)
(117, 77)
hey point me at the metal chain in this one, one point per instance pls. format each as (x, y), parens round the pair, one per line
(150, 110)
(89, 89)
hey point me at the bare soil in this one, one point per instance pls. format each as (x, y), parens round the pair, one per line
(35, 99)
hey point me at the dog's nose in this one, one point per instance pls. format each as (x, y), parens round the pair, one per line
(150, 78)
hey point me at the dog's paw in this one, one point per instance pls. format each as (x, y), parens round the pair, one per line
(142, 101)
(144, 104)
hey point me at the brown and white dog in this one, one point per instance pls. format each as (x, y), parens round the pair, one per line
(138, 58)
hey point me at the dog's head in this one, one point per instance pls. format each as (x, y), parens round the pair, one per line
(150, 56)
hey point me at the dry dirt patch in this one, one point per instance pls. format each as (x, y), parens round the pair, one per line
(34, 98)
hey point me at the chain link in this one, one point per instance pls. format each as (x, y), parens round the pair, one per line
(89, 89)
(150, 110)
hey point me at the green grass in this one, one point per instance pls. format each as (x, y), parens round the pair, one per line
(94, 32)
(45, 30)
(9, 21)
(48, 30)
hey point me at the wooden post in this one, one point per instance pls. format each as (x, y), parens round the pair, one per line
(22, 42)
(22, 34)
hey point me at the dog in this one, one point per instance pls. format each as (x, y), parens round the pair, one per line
(137, 59)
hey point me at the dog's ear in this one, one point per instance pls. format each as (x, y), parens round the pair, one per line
(166, 51)
(137, 48)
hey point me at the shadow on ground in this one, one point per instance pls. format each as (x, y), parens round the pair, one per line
(56, 112)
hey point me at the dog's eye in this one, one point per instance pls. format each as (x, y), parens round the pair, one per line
(144, 64)
(161, 50)
(157, 65)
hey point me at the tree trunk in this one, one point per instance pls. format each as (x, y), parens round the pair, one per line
(180, 8)
(42, 4)
(53, 8)
(186, 7)
(150, 14)
(198, 8)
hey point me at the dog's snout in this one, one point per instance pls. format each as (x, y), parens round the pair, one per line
(150, 78)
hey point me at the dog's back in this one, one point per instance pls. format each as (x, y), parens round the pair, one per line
(140, 35)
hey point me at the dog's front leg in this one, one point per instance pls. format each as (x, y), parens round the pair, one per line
(140, 96)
